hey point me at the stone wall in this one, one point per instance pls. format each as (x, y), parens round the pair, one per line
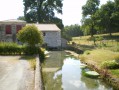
(8, 37)
(52, 38)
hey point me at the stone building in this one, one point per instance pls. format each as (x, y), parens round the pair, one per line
(51, 33)
(9, 29)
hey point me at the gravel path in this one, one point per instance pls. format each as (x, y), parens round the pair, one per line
(15, 74)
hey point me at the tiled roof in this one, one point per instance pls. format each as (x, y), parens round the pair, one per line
(13, 20)
(46, 27)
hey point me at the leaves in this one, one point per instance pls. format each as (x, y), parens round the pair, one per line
(30, 35)
(43, 11)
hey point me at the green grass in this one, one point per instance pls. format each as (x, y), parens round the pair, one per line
(115, 73)
(105, 50)
(111, 43)
(100, 55)
(31, 60)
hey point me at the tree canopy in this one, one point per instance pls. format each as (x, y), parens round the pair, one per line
(43, 11)
(30, 35)
(89, 10)
(103, 19)
(72, 31)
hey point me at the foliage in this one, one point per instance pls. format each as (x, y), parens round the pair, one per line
(21, 18)
(41, 54)
(30, 35)
(43, 11)
(110, 64)
(100, 20)
(28, 50)
(87, 52)
(105, 16)
(90, 7)
(89, 10)
(10, 48)
(72, 31)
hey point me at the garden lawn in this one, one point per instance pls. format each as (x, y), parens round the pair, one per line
(98, 56)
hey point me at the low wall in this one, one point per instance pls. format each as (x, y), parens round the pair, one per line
(38, 78)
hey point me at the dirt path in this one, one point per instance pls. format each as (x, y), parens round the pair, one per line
(15, 74)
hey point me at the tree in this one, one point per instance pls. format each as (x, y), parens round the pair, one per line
(43, 11)
(89, 10)
(21, 18)
(72, 31)
(30, 35)
(106, 16)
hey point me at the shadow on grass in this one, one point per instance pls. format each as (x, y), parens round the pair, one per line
(86, 47)
(27, 57)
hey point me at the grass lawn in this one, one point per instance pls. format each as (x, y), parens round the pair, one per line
(99, 53)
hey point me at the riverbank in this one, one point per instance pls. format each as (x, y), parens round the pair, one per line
(63, 71)
(95, 63)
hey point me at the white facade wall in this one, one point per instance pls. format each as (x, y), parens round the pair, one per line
(52, 38)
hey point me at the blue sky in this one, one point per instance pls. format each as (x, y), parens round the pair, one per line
(72, 12)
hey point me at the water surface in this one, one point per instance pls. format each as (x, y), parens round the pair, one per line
(61, 71)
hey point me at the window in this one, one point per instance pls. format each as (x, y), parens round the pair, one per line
(18, 27)
(44, 34)
(8, 29)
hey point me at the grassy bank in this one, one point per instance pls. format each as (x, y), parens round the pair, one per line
(104, 54)
(103, 41)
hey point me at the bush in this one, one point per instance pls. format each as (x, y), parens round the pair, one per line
(30, 50)
(14, 49)
(41, 54)
(87, 52)
(110, 64)
(9, 48)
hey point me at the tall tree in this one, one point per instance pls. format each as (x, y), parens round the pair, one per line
(106, 16)
(72, 31)
(89, 10)
(43, 11)
(21, 18)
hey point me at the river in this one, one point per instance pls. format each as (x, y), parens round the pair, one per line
(62, 71)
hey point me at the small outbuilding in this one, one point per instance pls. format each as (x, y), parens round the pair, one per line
(51, 34)
(9, 29)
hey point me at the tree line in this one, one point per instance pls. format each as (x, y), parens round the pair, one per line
(96, 19)
(103, 19)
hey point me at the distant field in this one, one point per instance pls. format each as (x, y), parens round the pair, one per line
(85, 43)
(105, 49)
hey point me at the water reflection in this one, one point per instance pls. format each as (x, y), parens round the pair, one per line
(70, 76)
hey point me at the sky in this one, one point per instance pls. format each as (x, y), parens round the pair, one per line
(72, 10)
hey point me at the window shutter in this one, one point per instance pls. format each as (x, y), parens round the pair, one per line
(8, 29)
(18, 27)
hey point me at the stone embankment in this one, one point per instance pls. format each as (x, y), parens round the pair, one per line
(38, 77)
(104, 73)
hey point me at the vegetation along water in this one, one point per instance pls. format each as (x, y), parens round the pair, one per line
(62, 71)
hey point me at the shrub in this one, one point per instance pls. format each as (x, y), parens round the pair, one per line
(41, 54)
(87, 52)
(110, 64)
(30, 50)
(7, 48)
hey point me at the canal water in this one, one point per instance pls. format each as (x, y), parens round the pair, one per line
(62, 71)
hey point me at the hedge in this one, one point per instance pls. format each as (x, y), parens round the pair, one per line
(7, 48)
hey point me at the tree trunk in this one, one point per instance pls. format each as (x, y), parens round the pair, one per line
(92, 30)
